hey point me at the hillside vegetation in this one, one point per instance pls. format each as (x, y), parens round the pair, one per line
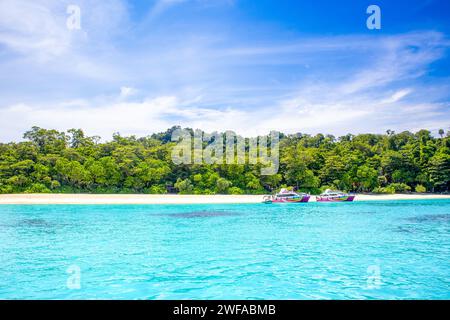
(71, 162)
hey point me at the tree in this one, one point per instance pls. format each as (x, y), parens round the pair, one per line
(78, 139)
(439, 171)
(297, 172)
(398, 167)
(184, 186)
(420, 189)
(54, 161)
(333, 170)
(222, 185)
(73, 173)
(272, 181)
(367, 178)
(48, 141)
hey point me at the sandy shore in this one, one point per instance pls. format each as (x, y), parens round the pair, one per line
(173, 199)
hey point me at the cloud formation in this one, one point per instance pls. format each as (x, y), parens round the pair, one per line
(112, 76)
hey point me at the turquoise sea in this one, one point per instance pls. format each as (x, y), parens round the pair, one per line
(360, 250)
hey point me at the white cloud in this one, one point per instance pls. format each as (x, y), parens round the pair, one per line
(162, 5)
(301, 114)
(398, 95)
(38, 30)
(396, 58)
(32, 27)
(103, 119)
(127, 92)
(209, 80)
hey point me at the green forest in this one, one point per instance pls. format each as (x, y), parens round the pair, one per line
(50, 161)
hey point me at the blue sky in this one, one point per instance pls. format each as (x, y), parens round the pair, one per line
(139, 67)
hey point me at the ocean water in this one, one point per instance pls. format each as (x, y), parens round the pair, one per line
(360, 250)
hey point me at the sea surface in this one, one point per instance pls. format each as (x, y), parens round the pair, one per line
(359, 250)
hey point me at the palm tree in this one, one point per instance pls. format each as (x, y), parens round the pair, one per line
(441, 132)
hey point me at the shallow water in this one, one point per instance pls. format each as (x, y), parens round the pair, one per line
(367, 250)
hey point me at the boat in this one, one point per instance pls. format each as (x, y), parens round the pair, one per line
(286, 196)
(334, 196)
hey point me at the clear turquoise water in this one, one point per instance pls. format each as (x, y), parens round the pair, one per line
(311, 251)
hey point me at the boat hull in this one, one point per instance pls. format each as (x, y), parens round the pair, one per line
(292, 200)
(335, 199)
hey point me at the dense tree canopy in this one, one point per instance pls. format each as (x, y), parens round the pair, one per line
(53, 161)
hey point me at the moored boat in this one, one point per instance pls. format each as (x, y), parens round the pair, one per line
(286, 196)
(334, 196)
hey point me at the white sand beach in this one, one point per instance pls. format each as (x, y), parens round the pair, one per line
(174, 198)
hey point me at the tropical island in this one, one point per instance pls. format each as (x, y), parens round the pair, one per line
(50, 161)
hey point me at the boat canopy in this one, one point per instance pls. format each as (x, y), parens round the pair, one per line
(287, 193)
(330, 192)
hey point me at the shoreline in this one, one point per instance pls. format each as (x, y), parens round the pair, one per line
(58, 198)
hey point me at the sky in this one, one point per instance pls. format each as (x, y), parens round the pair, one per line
(139, 67)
